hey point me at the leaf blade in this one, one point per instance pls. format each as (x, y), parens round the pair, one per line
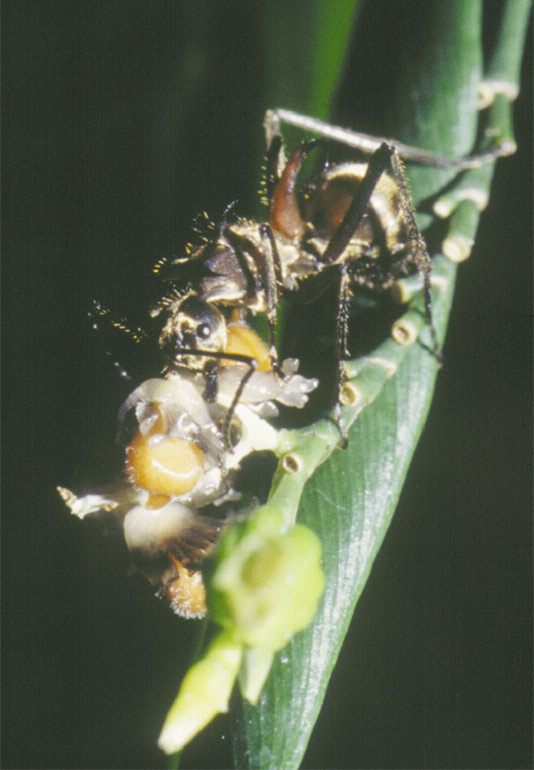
(351, 498)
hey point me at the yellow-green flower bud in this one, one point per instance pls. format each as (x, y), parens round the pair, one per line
(267, 580)
(205, 692)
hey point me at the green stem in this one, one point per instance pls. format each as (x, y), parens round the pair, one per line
(503, 71)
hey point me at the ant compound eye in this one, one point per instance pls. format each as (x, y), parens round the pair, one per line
(203, 331)
(200, 325)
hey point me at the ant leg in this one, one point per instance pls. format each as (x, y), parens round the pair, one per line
(342, 353)
(342, 319)
(367, 144)
(272, 276)
(275, 157)
(272, 125)
(379, 162)
(221, 355)
(225, 216)
(211, 373)
(384, 159)
(253, 365)
(417, 246)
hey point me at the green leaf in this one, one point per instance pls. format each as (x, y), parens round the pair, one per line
(350, 499)
(426, 96)
(305, 43)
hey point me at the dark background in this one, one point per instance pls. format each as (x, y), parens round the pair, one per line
(104, 170)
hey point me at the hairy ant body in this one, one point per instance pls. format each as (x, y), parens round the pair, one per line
(357, 225)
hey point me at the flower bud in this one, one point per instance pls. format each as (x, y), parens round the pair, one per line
(267, 580)
(204, 693)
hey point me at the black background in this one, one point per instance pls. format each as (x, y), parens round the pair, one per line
(103, 172)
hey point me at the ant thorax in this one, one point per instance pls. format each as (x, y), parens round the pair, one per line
(249, 264)
(235, 265)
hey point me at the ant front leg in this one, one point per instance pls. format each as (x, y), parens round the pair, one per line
(342, 333)
(271, 277)
(227, 424)
(386, 158)
(417, 246)
(379, 162)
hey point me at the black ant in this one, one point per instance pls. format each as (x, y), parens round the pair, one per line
(357, 225)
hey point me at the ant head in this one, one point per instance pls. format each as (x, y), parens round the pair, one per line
(192, 325)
